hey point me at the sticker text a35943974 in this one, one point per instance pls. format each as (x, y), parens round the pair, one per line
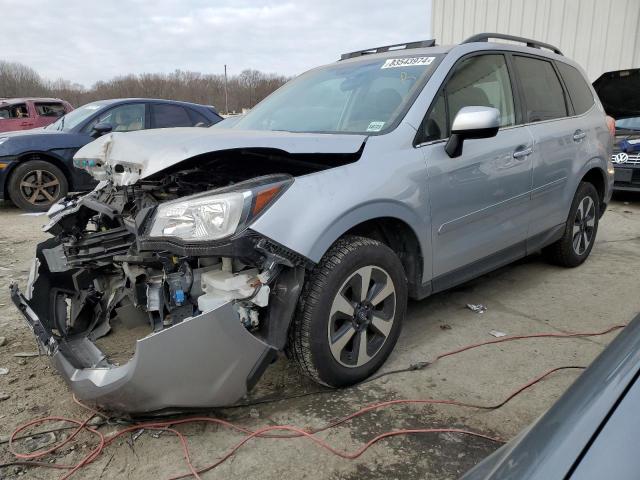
(407, 62)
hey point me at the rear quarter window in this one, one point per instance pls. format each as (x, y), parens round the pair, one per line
(579, 91)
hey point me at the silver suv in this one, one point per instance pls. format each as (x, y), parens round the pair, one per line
(304, 226)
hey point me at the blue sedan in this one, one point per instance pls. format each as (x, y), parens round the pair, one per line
(36, 166)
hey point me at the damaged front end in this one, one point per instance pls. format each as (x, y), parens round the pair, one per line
(157, 294)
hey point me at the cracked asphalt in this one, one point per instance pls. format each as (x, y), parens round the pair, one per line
(527, 297)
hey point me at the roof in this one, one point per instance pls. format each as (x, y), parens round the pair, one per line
(158, 100)
(12, 101)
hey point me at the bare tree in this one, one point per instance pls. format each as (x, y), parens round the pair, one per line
(245, 89)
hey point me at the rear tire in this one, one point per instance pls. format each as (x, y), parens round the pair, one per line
(350, 312)
(580, 230)
(35, 185)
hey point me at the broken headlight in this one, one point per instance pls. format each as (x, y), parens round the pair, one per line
(210, 216)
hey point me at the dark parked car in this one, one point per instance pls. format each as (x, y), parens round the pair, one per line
(36, 166)
(619, 92)
(27, 113)
(590, 433)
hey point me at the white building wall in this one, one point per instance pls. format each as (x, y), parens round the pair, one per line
(601, 35)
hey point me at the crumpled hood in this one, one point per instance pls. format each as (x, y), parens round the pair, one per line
(124, 158)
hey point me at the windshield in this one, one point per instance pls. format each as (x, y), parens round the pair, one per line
(76, 117)
(628, 124)
(356, 97)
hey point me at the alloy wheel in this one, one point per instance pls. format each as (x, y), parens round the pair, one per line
(584, 225)
(40, 187)
(361, 316)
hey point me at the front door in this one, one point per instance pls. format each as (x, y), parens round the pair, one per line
(479, 201)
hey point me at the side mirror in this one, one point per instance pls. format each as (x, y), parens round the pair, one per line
(472, 122)
(101, 128)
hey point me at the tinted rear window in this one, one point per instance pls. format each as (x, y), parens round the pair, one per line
(167, 115)
(543, 94)
(579, 91)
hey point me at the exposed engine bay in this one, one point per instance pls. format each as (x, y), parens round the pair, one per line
(218, 310)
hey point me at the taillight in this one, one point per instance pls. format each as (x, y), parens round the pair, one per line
(611, 124)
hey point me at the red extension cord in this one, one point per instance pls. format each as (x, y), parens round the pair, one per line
(29, 459)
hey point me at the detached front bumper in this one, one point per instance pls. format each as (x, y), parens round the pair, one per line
(208, 360)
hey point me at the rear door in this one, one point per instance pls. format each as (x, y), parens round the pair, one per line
(479, 201)
(555, 138)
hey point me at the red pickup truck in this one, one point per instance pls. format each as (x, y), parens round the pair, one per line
(27, 113)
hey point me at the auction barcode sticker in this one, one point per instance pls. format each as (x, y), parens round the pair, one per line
(407, 62)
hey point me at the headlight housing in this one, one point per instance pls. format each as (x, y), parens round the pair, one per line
(216, 215)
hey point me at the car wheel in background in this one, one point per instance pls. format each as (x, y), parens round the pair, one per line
(35, 185)
(580, 231)
(350, 312)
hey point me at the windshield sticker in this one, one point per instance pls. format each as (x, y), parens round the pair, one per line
(375, 126)
(407, 62)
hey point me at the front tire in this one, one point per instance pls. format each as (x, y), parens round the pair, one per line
(350, 312)
(580, 230)
(35, 185)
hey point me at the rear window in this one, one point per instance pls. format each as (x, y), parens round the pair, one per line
(50, 109)
(579, 91)
(18, 110)
(167, 115)
(543, 94)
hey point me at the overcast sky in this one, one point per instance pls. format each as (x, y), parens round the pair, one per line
(84, 41)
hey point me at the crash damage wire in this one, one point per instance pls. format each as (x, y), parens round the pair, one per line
(31, 459)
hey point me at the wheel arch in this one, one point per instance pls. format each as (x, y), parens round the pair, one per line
(400, 237)
(597, 177)
(45, 157)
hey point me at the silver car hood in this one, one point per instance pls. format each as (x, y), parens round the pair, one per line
(125, 158)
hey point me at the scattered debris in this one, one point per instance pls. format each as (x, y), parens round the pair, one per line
(96, 421)
(3, 341)
(22, 361)
(136, 435)
(627, 211)
(26, 354)
(476, 307)
(4, 396)
(445, 326)
(4, 371)
(497, 333)
(254, 413)
(38, 442)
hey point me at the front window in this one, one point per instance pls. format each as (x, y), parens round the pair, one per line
(628, 124)
(14, 111)
(123, 118)
(76, 117)
(366, 96)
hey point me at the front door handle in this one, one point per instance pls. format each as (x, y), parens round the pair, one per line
(522, 152)
(579, 135)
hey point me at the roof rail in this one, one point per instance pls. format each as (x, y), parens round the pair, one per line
(387, 48)
(484, 37)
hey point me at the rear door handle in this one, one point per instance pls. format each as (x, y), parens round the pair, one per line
(579, 135)
(26, 124)
(522, 152)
